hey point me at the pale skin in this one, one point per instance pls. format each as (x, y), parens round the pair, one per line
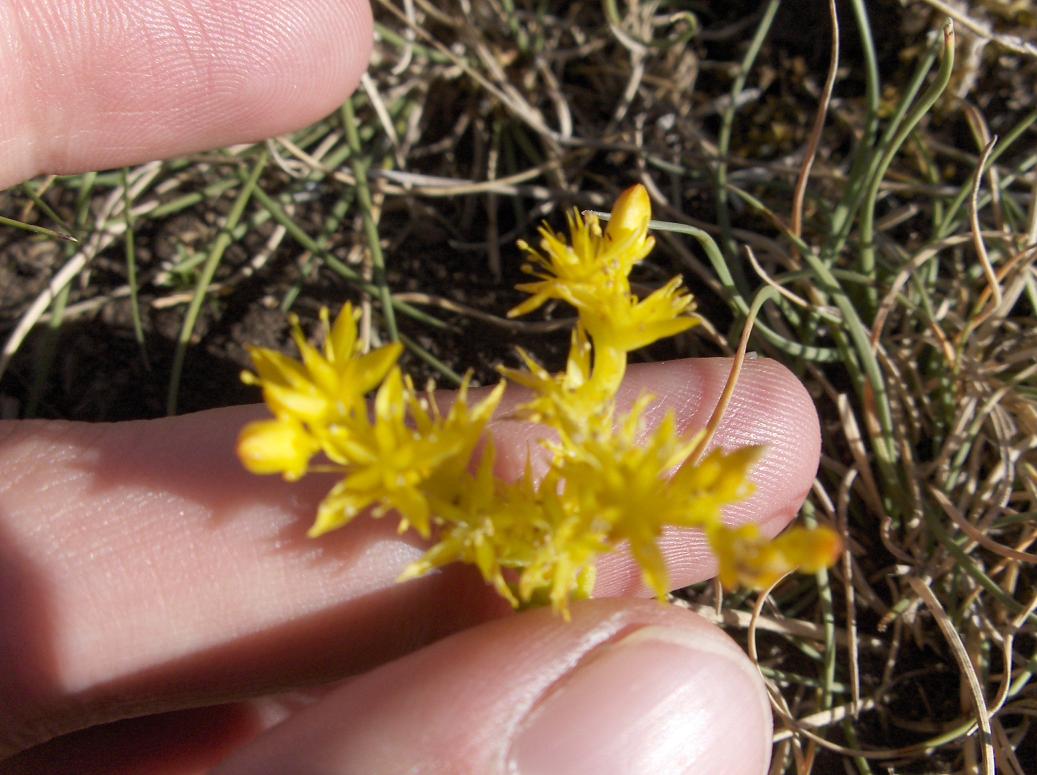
(145, 578)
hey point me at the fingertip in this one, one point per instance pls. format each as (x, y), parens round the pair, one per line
(770, 407)
(300, 63)
(677, 699)
(774, 411)
(101, 84)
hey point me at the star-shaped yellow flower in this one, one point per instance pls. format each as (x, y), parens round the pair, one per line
(611, 481)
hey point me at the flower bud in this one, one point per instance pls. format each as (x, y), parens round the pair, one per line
(630, 215)
(280, 446)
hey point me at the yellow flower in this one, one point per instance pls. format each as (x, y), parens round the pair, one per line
(592, 274)
(596, 265)
(389, 461)
(487, 523)
(307, 396)
(624, 481)
(567, 401)
(562, 565)
(323, 387)
(629, 323)
(609, 483)
(526, 527)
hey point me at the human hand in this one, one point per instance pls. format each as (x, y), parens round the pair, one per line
(145, 576)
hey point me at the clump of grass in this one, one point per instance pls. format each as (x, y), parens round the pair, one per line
(883, 234)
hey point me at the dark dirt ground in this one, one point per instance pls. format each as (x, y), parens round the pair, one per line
(91, 368)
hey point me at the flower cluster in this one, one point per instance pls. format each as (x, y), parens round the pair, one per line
(611, 480)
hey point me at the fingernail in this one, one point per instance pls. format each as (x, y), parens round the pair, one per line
(657, 700)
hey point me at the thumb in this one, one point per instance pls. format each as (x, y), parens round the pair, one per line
(625, 687)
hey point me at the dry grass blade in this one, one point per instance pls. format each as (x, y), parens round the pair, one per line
(827, 718)
(950, 633)
(737, 362)
(852, 637)
(976, 534)
(1013, 43)
(977, 240)
(796, 220)
(791, 628)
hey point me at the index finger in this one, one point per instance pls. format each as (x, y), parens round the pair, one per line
(91, 84)
(141, 569)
